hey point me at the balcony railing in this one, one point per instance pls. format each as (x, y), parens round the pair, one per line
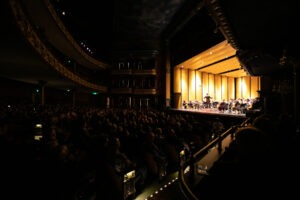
(145, 91)
(195, 173)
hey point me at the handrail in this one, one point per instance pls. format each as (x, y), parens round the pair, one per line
(200, 154)
(211, 144)
(217, 139)
(184, 186)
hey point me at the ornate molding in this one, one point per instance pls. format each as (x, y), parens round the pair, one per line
(144, 72)
(34, 40)
(70, 38)
(145, 91)
(221, 22)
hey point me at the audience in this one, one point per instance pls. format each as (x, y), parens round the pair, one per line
(85, 151)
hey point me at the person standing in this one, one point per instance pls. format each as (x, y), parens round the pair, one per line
(207, 100)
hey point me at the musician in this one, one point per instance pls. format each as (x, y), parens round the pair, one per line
(190, 104)
(207, 100)
(222, 106)
(184, 104)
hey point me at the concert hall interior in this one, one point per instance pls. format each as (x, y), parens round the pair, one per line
(149, 99)
(216, 72)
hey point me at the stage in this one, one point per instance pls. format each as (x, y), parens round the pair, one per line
(211, 111)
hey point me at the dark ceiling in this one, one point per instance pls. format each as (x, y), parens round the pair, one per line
(108, 26)
(266, 31)
(262, 31)
(268, 27)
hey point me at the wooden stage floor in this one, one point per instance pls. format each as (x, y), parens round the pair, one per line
(212, 111)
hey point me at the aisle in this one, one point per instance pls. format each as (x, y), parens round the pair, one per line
(169, 188)
(165, 189)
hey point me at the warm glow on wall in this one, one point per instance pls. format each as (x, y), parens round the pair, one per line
(238, 88)
(255, 86)
(218, 90)
(245, 84)
(177, 85)
(211, 86)
(224, 87)
(192, 85)
(184, 85)
(205, 83)
(231, 88)
(199, 94)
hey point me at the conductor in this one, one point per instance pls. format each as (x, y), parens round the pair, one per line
(207, 100)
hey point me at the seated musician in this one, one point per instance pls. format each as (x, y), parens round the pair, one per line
(184, 104)
(190, 104)
(196, 104)
(222, 106)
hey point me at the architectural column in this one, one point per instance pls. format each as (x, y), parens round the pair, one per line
(177, 85)
(42, 86)
(74, 92)
(168, 76)
(129, 102)
(107, 102)
(296, 94)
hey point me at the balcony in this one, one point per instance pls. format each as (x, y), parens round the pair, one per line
(121, 90)
(145, 91)
(144, 72)
(121, 71)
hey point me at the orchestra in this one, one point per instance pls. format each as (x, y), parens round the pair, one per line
(234, 106)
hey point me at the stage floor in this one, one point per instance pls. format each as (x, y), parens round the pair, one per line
(212, 111)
